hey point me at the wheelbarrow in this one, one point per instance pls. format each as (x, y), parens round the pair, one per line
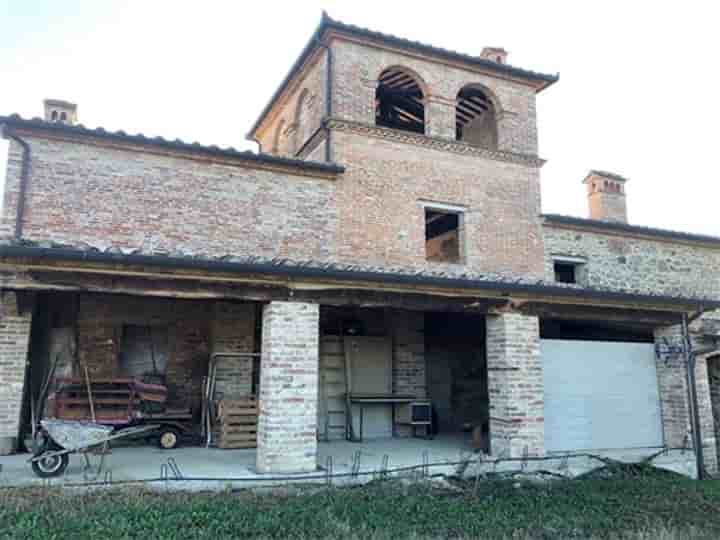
(57, 439)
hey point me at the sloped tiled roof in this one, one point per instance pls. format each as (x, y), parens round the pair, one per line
(16, 120)
(327, 23)
(285, 267)
(559, 219)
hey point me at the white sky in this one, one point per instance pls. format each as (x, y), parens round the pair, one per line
(638, 91)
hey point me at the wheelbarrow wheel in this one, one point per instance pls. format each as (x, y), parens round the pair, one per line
(168, 438)
(48, 467)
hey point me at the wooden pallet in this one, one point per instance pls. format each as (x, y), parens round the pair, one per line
(237, 423)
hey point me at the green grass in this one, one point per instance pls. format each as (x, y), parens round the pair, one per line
(650, 507)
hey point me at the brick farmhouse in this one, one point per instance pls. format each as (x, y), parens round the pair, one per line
(387, 241)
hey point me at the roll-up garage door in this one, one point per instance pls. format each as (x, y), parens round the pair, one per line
(600, 395)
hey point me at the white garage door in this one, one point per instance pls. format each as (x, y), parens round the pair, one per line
(600, 395)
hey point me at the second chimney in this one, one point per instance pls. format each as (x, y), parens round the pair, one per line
(496, 54)
(63, 112)
(606, 196)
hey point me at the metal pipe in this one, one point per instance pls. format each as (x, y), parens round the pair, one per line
(24, 174)
(328, 97)
(690, 362)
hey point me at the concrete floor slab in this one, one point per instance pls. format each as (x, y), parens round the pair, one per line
(221, 469)
(216, 469)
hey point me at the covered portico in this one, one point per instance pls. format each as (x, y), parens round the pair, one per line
(292, 310)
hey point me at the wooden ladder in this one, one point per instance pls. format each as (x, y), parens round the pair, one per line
(333, 387)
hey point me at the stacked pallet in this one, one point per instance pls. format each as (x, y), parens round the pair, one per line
(237, 423)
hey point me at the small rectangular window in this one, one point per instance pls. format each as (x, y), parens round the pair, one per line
(565, 272)
(442, 235)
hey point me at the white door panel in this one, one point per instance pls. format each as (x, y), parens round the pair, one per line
(600, 395)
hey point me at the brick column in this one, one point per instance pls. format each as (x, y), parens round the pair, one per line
(672, 386)
(440, 118)
(14, 341)
(515, 385)
(287, 424)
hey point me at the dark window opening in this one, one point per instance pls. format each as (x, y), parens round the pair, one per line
(475, 121)
(63, 116)
(442, 236)
(565, 272)
(399, 102)
(54, 116)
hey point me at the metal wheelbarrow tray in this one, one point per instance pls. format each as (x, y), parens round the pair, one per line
(57, 439)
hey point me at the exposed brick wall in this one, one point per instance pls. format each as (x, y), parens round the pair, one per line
(641, 265)
(672, 383)
(14, 342)
(409, 353)
(233, 331)
(287, 424)
(380, 197)
(357, 67)
(107, 196)
(515, 385)
(299, 113)
(101, 319)
(195, 329)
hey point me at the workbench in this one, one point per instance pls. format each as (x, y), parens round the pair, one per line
(364, 400)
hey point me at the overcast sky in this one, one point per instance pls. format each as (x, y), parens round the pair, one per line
(638, 91)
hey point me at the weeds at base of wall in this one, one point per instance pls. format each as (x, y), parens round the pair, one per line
(613, 505)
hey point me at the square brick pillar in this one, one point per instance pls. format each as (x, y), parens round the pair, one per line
(515, 386)
(15, 325)
(674, 407)
(287, 423)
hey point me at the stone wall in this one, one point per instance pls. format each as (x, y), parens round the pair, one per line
(105, 196)
(515, 386)
(357, 67)
(631, 263)
(14, 342)
(287, 423)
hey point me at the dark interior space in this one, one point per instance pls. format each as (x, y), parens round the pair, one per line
(442, 236)
(594, 331)
(457, 373)
(399, 102)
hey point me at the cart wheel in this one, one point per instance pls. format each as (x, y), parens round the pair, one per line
(169, 438)
(50, 466)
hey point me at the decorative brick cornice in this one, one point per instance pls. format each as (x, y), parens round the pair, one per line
(427, 141)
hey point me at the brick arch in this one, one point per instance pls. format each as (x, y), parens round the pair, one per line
(424, 86)
(300, 129)
(401, 99)
(476, 116)
(492, 96)
(277, 138)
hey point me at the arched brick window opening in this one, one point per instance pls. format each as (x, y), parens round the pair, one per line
(302, 120)
(475, 118)
(399, 101)
(278, 139)
(54, 116)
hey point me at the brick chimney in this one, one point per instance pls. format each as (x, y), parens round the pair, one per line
(496, 54)
(606, 196)
(57, 110)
